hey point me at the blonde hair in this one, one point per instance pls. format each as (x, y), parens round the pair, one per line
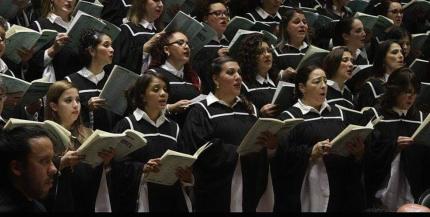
(137, 11)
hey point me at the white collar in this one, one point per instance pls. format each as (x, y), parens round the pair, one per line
(1, 119)
(336, 86)
(211, 99)
(147, 25)
(386, 76)
(215, 38)
(303, 46)
(139, 114)
(400, 112)
(334, 9)
(260, 11)
(261, 80)
(84, 72)
(306, 109)
(3, 66)
(169, 67)
(361, 53)
(53, 18)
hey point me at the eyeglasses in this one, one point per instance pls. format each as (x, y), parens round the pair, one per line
(396, 11)
(220, 13)
(180, 43)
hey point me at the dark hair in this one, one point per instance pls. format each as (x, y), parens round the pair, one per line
(383, 7)
(400, 81)
(216, 69)
(3, 23)
(283, 26)
(15, 145)
(332, 61)
(379, 59)
(397, 33)
(134, 93)
(302, 77)
(344, 26)
(90, 38)
(159, 58)
(247, 55)
(202, 8)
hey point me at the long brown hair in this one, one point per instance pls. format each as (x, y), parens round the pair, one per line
(54, 93)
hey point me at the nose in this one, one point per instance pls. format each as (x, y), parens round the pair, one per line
(52, 170)
(111, 49)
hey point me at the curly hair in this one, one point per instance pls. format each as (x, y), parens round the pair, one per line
(248, 54)
(159, 57)
(90, 38)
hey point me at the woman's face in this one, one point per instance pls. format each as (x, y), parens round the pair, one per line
(315, 89)
(103, 53)
(177, 48)
(395, 13)
(63, 6)
(155, 96)
(297, 27)
(264, 58)
(2, 41)
(153, 10)
(356, 37)
(393, 58)
(345, 67)
(218, 17)
(405, 43)
(228, 80)
(68, 107)
(406, 99)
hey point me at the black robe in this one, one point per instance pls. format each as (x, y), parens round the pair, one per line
(292, 160)
(381, 148)
(98, 119)
(214, 169)
(65, 62)
(179, 90)
(273, 22)
(370, 93)
(127, 173)
(12, 200)
(129, 46)
(115, 11)
(344, 99)
(202, 63)
(258, 94)
(74, 189)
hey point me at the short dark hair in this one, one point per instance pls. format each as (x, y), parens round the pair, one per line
(15, 145)
(302, 77)
(134, 93)
(332, 61)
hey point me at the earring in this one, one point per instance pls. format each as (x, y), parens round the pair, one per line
(217, 86)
